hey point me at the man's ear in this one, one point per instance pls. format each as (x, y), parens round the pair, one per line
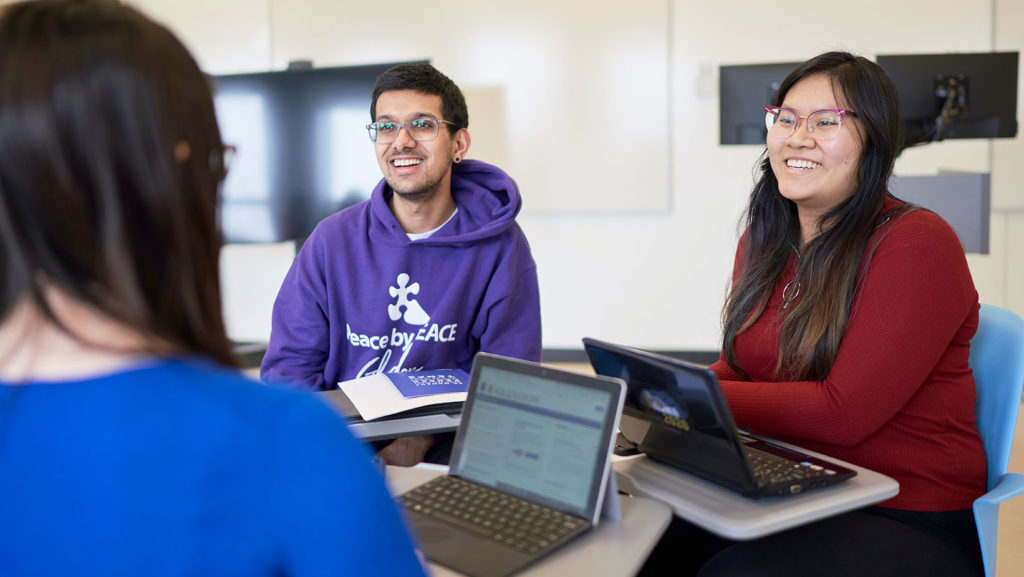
(462, 142)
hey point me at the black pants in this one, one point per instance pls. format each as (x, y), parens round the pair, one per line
(870, 542)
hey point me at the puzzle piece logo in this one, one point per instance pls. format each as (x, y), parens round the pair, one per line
(414, 313)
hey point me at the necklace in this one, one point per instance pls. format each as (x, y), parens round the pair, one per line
(792, 288)
(789, 293)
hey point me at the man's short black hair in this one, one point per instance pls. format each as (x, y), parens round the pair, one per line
(426, 79)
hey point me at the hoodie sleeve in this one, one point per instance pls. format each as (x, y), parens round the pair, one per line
(299, 333)
(513, 325)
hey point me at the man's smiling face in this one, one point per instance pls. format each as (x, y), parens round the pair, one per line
(415, 170)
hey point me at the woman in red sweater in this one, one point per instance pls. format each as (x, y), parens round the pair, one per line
(847, 331)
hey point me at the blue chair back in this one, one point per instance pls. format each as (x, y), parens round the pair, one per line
(997, 359)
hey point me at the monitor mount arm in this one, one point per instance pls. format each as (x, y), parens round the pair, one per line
(951, 91)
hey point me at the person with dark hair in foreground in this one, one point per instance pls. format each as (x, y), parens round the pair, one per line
(429, 271)
(847, 331)
(129, 445)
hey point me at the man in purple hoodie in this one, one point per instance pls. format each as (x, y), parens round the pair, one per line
(430, 270)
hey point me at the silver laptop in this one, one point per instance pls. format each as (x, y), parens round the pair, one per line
(529, 468)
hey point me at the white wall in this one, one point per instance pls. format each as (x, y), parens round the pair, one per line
(633, 225)
(1000, 276)
(543, 80)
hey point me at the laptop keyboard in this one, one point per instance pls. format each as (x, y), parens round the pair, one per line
(492, 514)
(770, 469)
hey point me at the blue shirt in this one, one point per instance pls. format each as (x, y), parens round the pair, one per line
(183, 468)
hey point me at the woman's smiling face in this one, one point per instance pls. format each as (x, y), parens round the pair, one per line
(817, 176)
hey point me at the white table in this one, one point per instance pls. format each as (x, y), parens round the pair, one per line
(731, 515)
(610, 550)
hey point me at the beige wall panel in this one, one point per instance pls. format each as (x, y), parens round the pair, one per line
(1014, 298)
(223, 35)
(989, 270)
(1008, 154)
(572, 101)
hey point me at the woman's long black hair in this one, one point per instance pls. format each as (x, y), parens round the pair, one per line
(110, 162)
(815, 323)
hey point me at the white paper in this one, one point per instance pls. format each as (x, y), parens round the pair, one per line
(376, 396)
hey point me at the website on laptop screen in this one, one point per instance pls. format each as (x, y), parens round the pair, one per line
(537, 438)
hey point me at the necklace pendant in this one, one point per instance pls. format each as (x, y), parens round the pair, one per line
(789, 293)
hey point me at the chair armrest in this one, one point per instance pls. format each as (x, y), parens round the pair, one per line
(1010, 485)
(986, 515)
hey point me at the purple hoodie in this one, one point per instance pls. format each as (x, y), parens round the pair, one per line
(362, 298)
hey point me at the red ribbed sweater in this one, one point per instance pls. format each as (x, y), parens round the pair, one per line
(900, 396)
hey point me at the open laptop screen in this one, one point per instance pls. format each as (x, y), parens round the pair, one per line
(536, 436)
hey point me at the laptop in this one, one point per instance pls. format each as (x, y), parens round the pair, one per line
(675, 413)
(529, 468)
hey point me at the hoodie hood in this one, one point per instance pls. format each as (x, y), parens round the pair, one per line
(487, 198)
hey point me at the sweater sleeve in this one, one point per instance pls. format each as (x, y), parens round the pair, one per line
(915, 297)
(299, 334)
(328, 504)
(513, 324)
(724, 372)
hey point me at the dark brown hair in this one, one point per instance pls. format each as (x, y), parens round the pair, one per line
(425, 79)
(94, 100)
(829, 264)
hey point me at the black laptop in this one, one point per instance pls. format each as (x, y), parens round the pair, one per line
(529, 468)
(675, 413)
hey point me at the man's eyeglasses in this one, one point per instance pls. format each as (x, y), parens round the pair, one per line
(421, 129)
(823, 125)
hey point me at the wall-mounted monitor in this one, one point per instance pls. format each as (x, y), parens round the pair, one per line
(303, 152)
(743, 92)
(959, 95)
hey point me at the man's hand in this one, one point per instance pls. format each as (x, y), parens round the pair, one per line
(406, 451)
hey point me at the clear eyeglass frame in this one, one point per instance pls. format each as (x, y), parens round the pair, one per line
(824, 125)
(221, 159)
(421, 130)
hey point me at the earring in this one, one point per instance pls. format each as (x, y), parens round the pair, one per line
(458, 159)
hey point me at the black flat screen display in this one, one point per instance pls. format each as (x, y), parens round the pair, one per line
(303, 152)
